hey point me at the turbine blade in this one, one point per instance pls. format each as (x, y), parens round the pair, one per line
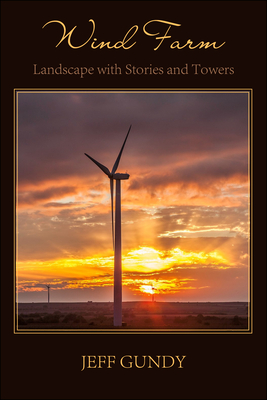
(101, 166)
(112, 213)
(115, 166)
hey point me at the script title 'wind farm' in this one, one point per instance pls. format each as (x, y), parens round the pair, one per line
(184, 211)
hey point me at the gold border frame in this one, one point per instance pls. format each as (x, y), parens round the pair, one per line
(249, 330)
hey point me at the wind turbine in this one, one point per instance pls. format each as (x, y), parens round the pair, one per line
(153, 293)
(48, 287)
(117, 239)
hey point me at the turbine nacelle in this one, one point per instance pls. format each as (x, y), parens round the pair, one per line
(120, 177)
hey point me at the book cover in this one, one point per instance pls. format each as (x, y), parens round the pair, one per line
(133, 199)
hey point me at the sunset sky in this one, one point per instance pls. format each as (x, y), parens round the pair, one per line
(185, 208)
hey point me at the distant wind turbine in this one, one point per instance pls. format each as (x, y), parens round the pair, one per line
(117, 240)
(153, 299)
(48, 287)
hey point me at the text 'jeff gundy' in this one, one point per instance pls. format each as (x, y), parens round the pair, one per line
(129, 361)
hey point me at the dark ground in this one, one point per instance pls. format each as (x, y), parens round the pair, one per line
(135, 315)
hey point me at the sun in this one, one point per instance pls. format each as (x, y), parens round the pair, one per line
(147, 289)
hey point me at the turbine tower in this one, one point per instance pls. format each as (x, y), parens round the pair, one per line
(117, 237)
(48, 287)
(152, 299)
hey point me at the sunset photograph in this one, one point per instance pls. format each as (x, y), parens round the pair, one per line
(183, 167)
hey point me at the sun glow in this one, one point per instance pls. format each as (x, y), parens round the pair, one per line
(147, 289)
(147, 259)
(143, 271)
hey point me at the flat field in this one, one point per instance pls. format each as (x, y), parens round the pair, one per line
(135, 315)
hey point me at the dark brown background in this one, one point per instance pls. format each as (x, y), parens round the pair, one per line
(217, 366)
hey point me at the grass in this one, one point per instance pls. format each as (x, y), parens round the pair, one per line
(136, 315)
